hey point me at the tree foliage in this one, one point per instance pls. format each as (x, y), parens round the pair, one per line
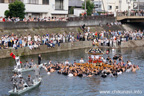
(89, 7)
(7, 13)
(72, 10)
(16, 9)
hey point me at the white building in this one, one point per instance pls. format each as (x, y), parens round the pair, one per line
(78, 11)
(40, 8)
(114, 5)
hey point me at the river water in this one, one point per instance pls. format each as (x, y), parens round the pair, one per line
(60, 85)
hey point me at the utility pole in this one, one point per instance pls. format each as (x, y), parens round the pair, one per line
(128, 2)
(138, 5)
(120, 5)
(128, 9)
(85, 8)
(99, 6)
(103, 6)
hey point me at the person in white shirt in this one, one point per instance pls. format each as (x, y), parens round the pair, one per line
(15, 46)
(29, 37)
(88, 29)
(63, 39)
(129, 63)
(30, 46)
(81, 60)
(67, 62)
(35, 38)
(86, 35)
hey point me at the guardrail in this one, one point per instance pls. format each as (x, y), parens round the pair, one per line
(89, 17)
(131, 13)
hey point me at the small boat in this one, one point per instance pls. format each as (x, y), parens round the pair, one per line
(27, 69)
(25, 89)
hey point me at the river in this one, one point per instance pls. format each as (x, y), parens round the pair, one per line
(60, 85)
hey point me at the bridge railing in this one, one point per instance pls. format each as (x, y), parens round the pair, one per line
(131, 13)
(89, 17)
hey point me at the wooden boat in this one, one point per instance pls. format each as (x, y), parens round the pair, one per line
(25, 89)
(27, 69)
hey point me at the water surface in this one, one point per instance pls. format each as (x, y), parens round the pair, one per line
(60, 85)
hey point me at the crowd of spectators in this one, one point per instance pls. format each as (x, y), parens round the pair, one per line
(103, 38)
(131, 13)
(32, 19)
(113, 23)
(114, 38)
(16, 41)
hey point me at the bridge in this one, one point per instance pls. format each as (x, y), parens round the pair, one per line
(130, 18)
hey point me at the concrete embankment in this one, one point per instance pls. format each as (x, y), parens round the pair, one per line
(64, 47)
(43, 31)
(44, 49)
(132, 43)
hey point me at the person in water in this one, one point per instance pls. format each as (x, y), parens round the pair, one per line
(81, 60)
(67, 62)
(114, 69)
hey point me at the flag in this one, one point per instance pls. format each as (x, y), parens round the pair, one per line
(13, 56)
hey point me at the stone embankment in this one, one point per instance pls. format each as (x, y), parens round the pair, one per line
(128, 44)
(64, 47)
(132, 44)
(44, 49)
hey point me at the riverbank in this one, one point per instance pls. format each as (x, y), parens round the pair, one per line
(44, 49)
(4, 53)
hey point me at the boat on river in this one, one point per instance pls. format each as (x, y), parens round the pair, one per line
(16, 69)
(26, 88)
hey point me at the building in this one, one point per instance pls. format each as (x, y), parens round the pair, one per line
(75, 3)
(138, 5)
(40, 8)
(75, 8)
(114, 5)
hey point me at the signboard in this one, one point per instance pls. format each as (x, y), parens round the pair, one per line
(135, 5)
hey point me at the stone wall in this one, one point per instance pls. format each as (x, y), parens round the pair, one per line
(44, 49)
(63, 47)
(132, 44)
(128, 44)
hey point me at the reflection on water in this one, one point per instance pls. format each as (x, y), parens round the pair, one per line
(60, 85)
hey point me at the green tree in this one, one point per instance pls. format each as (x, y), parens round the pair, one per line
(7, 13)
(16, 9)
(89, 7)
(72, 10)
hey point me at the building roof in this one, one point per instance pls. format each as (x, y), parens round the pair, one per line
(76, 3)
